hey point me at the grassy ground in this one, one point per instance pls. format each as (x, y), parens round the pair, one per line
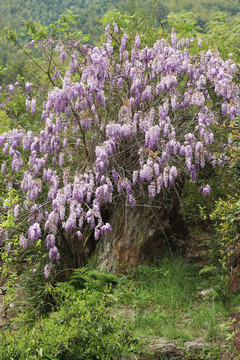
(167, 299)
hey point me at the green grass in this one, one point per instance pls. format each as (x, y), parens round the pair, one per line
(164, 300)
(144, 303)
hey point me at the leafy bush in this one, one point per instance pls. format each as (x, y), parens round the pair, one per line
(224, 34)
(35, 297)
(184, 23)
(226, 216)
(82, 328)
(227, 222)
(92, 279)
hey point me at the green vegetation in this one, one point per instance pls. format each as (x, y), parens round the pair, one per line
(165, 302)
(96, 315)
(80, 328)
(218, 18)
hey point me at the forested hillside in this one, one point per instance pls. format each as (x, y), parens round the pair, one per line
(88, 13)
(15, 12)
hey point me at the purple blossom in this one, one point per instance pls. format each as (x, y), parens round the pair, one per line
(152, 189)
(159, 183)
(105, 228)
(73, 65)
(3, 235)
(47, 271)
(132, 201)
(135, 176)
(198, 99)
(33, 106)
(71, 222)
(54, 162)
(28, 86)
(166, 177)
(174, 39)
(206, 190)
(3, 138)
(137, 42)
(146, 173)
(34, 232)
(63, 57)
(115, 176)
(156, 169)
(78, 142)
(31, 44)
(193, 172)
(152, 137)
(97, 233)
(147, 94)
(28, 104)
(54, 254)
(3, 167)
(79, 235)
(61, 159)
(16, 210)
(50, 241)
(11, 88)
(172, 175)
(23, 242)
(224, 107)
(115, 27)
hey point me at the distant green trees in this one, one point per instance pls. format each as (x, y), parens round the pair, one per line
(220, 32)
(87, 13)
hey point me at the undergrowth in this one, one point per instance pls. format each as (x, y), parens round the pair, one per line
(96, 315)
(166, 300)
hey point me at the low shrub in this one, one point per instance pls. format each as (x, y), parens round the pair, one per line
(81, 329)
(227, 223)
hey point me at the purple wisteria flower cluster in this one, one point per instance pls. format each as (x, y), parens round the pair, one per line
(120, 120)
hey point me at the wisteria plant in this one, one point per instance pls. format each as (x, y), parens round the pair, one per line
(120, 119)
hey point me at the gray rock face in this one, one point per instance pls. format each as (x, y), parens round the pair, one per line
(161, 348)
(195, 346)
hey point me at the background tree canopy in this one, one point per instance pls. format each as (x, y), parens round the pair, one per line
(87, 14)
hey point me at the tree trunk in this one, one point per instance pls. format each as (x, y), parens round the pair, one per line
(143, 233)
